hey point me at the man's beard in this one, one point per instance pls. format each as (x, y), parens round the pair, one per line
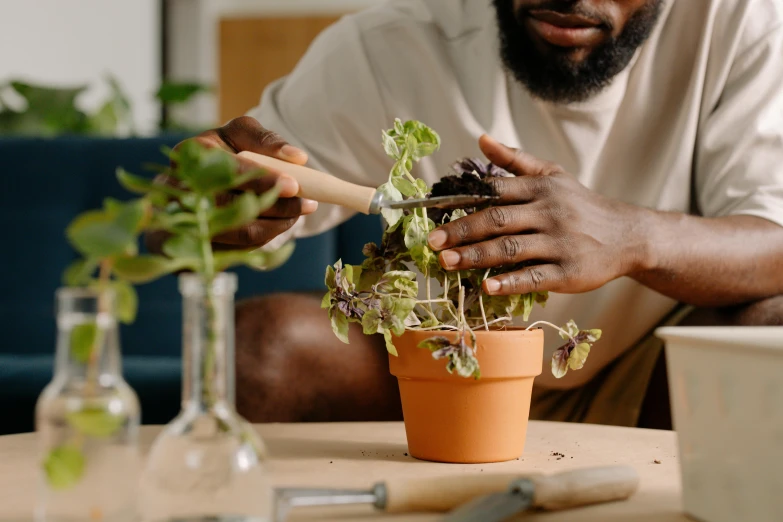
(555, 76)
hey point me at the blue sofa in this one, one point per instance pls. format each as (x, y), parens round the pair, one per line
(44, 183)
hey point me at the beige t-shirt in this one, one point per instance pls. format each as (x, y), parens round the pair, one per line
(694, 124)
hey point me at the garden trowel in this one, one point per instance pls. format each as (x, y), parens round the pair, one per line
(325, 188)
(494, 494)
(560, 491)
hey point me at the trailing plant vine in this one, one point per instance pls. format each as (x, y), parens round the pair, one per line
(383, 294)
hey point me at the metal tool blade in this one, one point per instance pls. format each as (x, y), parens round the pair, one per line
(288, 498)
(459, 201)
(496, 507)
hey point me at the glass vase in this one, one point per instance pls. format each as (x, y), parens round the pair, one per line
(208, 463)
(87, 418)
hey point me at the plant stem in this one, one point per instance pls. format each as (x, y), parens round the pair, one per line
(208, 275)
(91, 385)
(481, 302)
(552, 325)
(439, 327)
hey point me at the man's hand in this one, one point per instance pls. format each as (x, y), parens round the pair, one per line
(574, 239)
(247, 134)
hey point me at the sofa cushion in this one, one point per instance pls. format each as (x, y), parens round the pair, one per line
(156, 380)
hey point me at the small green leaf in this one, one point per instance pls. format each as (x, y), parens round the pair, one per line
(127, 301)
(257, 259)
(96, 234)
(390, 146)
(140, 185)
(371, 322)
(387, 336)
(206, 171)
(243, 210)
(326, 302)
(390, 193)
(78, 273)
(145, 268)
(578, 356)
(339, 325)
(571, 328)
(422, 186)
(329, 277)
(179, 92)
(404, 186)
(182, 245)
(435, 343)
(95, 422)
(64, 466)
(83, 337)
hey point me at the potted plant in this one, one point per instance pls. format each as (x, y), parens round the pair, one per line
(476, 408)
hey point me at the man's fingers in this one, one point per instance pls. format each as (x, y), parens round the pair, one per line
(514, 160)
(537, 278)
(485, 224)
(255, 234)
(246, 133)
(502, 251)
(289, 187)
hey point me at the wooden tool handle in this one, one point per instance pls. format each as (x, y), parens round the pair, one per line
(584, 486)
(441, 494)
(317, 185)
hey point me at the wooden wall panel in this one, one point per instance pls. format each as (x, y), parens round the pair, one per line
(253, 52)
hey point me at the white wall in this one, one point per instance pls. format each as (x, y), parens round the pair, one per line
(78, 41)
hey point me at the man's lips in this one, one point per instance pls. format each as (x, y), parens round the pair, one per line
(565, 30)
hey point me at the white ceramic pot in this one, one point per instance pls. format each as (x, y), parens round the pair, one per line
(726, 387)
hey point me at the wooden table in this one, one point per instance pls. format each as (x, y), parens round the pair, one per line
(360, 454)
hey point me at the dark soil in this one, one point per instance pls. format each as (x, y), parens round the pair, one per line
(466, 184)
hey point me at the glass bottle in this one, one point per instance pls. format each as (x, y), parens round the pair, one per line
(87, 418)
(207, 464)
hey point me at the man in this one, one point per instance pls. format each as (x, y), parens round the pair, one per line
(646, 137)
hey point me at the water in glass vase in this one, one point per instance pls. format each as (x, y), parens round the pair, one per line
(208, 463)
(87, 419)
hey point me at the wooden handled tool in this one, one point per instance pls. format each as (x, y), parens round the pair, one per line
(442, 494)
(325, 188)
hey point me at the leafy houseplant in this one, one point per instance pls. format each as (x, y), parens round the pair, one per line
(88, 407)
(227, 478)
(383, 294)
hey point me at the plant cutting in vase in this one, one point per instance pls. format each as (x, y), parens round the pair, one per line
(208, 461)
(87, 416)
(383, 294)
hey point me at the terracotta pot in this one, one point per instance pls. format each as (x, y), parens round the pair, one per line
(449, 418)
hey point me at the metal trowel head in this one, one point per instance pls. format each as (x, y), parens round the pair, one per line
(496, 507)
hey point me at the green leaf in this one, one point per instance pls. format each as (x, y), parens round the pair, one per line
(387, 336)
(178, 92)
(404, 186)
(329, 278)
(390, 193)
(390, 146)
(435, 343)
(243, 210)
(578, 356)
(83, 337)
(95, 422)
(146, 268)
(127, 301)
(422, 186)
(64, 466)
(571, 328)
(425, 149)
(257, 259)
(78, 273)
(98, 234)
(326, 302)
(140, 185)
(371, 322)
(339, 325)
(204, 170)
(182, 245)
(180, 222)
